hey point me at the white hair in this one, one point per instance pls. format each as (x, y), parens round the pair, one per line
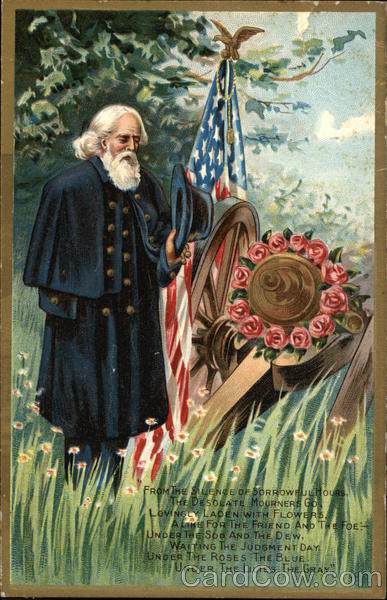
(102, 125)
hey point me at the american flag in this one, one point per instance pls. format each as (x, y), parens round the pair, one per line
(218, 167)
(215, 165)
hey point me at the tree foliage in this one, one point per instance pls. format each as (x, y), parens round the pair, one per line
(68, 64)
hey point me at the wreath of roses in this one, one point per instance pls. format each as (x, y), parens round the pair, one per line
(338, 296)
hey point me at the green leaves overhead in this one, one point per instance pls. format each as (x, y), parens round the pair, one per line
(36, 23)
(253, 105)
(78, 61)
(52, 57)
(339, 42)
(308, 48)
(271, 137)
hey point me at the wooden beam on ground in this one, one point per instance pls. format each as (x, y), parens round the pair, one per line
(230, 392)
(355, 394)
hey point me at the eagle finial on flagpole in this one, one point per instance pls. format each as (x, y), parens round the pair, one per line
(233, 42)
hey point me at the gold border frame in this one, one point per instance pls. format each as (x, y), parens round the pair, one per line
(8, 27)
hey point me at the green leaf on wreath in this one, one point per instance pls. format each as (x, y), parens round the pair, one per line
(321, 342)
(289, 348)
(322, 286)
(246, 262)
(335, 254)
(356, 303)
(270, 354)
(339, 316)
(308, 234)
(339, 324)
(352, 273)
(299, 353)
(258, 354)
(236, 294)
(266, 236)
(350, 288)
(287, 233)
(240, 337)
(260, 344)
(363, 297)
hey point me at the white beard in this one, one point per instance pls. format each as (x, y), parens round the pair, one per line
(125, 174)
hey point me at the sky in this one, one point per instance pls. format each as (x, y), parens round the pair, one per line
(339, 158)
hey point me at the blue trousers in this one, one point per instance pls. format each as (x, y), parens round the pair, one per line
(87, 455)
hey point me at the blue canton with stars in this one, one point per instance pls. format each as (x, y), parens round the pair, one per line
(211, 153)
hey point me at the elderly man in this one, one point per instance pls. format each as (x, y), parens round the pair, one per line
(101, 247)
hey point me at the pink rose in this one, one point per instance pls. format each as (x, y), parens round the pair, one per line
(251, 327)
(241, 278)
(317, 252)
(333, 273)
(277, 243)
(321, 326)
(300, 338)
(275, 337)
(333, 300)
(258, 251)
(298, 242)
(239, 310)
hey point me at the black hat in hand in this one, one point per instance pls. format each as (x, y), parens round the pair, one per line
(191, 208)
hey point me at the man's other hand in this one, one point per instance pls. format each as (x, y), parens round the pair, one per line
(170, 250)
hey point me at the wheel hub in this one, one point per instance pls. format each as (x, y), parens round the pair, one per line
(216, 346)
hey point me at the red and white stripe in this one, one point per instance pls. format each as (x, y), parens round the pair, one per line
(176, 330)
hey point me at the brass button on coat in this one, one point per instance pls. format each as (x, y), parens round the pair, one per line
(130, 309)
(106, 311)
(111, 227)
(127, 282)
(151, 238)
(125, 210)
(172, 275)
(110, 249)
(54, 300)
(126, 256)
(125, 233)
(147, 217)
(137, 197)
(110, 272)
(112, 204)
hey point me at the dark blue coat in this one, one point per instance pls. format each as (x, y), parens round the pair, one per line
(97, 256)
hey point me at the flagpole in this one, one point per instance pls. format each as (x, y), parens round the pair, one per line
(227, 96)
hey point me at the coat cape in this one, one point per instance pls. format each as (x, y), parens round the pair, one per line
(97, 255)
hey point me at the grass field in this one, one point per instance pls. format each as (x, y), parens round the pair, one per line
(62, 535)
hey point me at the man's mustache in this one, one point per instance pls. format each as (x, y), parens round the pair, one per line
(128, 155)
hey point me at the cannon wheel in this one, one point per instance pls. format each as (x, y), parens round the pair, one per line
(236, 227)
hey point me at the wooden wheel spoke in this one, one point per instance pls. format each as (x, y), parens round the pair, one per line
(209, 296)
(196, 366)
(210, 378)
(203, 318)
(235, 227)
(231, 246)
